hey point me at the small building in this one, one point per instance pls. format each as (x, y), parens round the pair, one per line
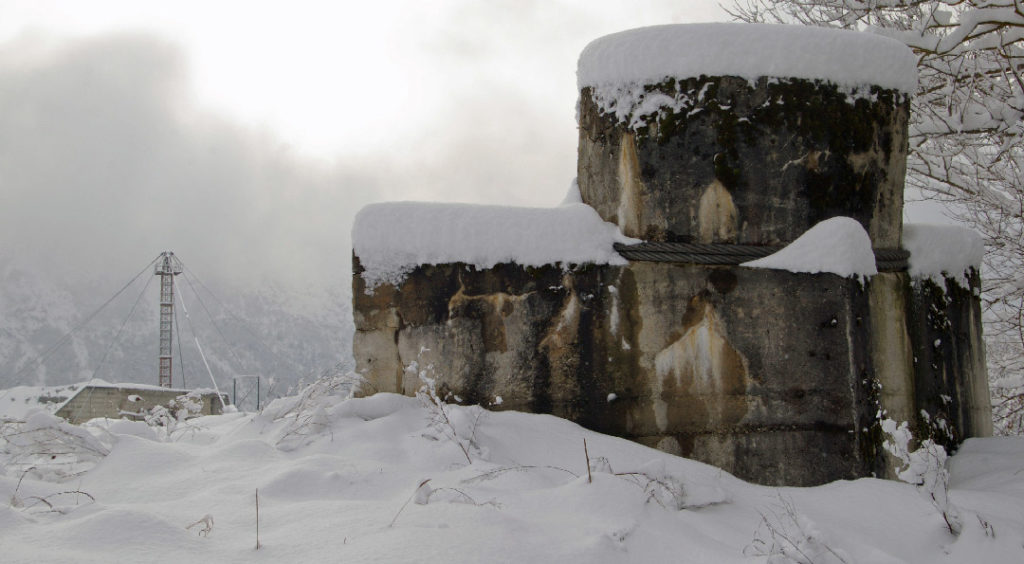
(131, 401)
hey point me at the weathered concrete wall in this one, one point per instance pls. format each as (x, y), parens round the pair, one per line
(737, 367)
(747, 163)
(775, 376)
(950, 388)
(116, 402)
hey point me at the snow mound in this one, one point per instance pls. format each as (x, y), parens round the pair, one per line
(376, 480)
(391, 239)
(838, 245)
(649, 55)
(942, 250)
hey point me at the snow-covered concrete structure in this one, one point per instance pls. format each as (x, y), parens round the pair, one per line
(658, 308)
(132, 401)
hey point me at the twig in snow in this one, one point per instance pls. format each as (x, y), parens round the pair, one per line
(258, 519)
(423, 483)
(207, 522)
(498, 471)
(590, 479)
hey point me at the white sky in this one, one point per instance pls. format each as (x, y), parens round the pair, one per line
(341, 76)
(241, 133)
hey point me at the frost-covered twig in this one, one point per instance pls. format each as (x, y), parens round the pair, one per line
(925, 467)
(786, 536)
(305, 414)
(664, 490)
(439, 410)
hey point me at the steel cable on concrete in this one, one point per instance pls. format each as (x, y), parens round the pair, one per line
(723, 254)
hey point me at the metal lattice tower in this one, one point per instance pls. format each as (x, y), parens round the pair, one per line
(167, 267)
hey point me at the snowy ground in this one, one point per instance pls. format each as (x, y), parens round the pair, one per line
(19, 401)
(339, 481)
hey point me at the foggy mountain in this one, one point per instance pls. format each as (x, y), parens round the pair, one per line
(283, 336)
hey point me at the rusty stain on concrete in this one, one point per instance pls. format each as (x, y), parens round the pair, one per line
(716, 215)
(630, 187)
(702, 369)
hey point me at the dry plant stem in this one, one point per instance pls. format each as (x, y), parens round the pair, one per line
(206, 522)
(444, 417)
(590, 479)
(16, 489)
(400, 510)
(69, 492)
(257, 519)
(498, 471)
(464, 495)
(439, 414)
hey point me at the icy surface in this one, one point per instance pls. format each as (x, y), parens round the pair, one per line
(347, 489)
(651, 54)
(942, 250)
(391, 239)
(838, 245)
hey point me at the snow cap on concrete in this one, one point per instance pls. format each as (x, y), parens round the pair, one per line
(650, 55)
(391, 239)
(838, 245)
(937, 251)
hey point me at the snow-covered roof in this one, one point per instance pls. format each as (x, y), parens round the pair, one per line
(838, 245)
(100, 383)
(651, 54)
(391, 239)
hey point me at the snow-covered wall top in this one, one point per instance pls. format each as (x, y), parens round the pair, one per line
(651, 54)
(938, 250)
(841, 246)
(391, 239)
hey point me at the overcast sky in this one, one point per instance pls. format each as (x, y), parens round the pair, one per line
(244, 136)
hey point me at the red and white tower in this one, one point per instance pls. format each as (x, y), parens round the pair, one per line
(167, 267)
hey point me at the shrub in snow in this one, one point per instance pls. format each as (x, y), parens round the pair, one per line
(176, 412)
(48, 447)
(425, 493)
(305, 414)
(786, 536)
(459, 429)
(50, 502)
(925, 467)
(659, 485)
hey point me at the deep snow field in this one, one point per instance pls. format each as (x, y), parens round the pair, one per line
(339, 480)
